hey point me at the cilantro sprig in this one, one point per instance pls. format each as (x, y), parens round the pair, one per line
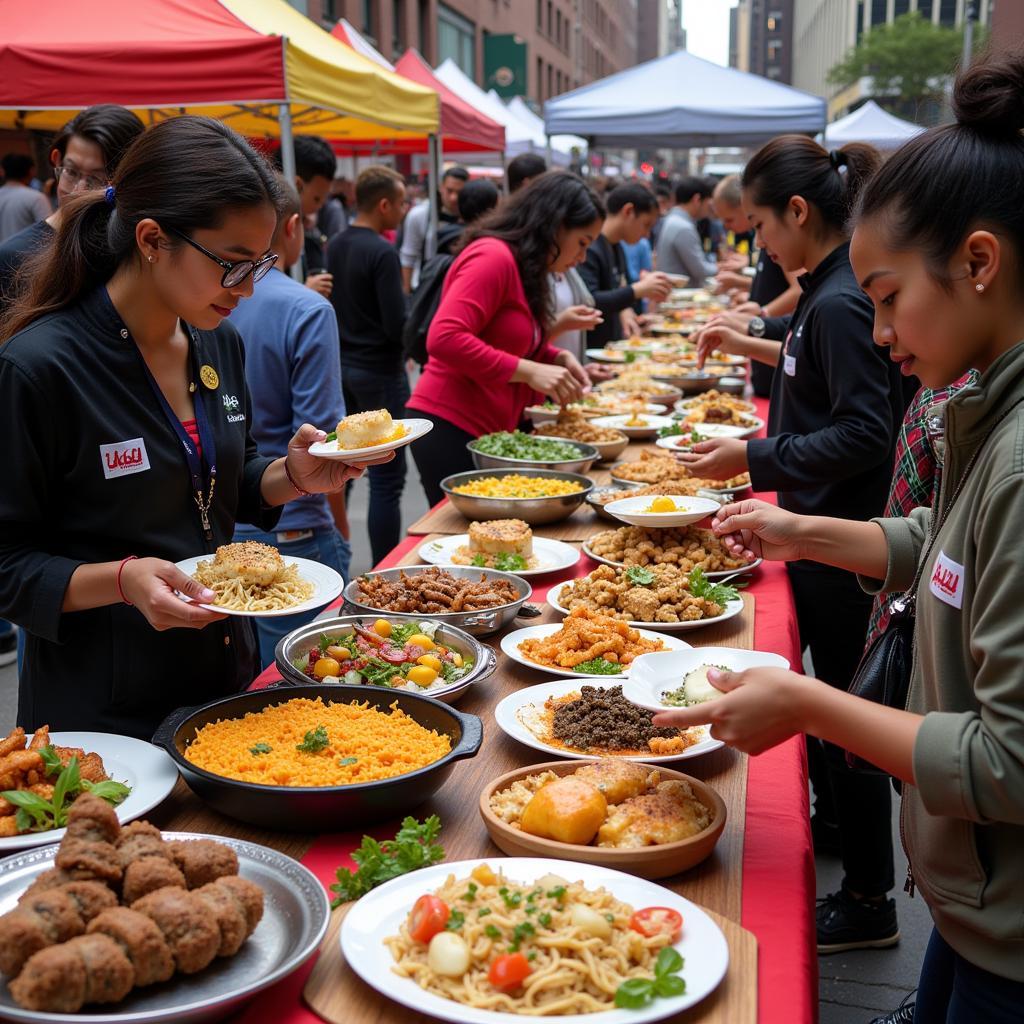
(636, 993)
(314, 741)
(640, 575)
(719, 593)
(599, 667)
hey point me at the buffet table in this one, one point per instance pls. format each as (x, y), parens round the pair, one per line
(759, 882)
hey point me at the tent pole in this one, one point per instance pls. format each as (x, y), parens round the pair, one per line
(433, 184)
(549, 152)
(284, 117)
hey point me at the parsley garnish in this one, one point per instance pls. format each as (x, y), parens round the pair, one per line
(640, 575)
(520, 932)
(470, 894)
(505, 562)
(558, 893)
(455, 921)
(260, 748)
(545, 919)
(314, 741)
(343, 761)
(599, 667)
(701, 586)
(492, 932)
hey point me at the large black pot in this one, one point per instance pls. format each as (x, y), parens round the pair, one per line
(319, 808)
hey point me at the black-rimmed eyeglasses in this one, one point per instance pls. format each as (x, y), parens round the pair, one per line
(234, 273)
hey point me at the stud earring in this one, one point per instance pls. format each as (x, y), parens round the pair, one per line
(979, 287)
(150, 258)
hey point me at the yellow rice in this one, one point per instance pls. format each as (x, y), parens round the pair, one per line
(384, 744)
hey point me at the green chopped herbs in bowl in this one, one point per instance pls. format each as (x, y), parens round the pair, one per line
(517, 445)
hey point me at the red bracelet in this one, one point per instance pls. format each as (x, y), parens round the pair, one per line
(120, 569)
(291, 480)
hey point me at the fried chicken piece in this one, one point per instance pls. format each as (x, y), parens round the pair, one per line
(93, 820)
(62, 979)
(43, 919)
(672, 812)
(249, 561)
(148, 873)
(142, 941)
(203, 860)
(40, 738)
(9, 826)
(618, 780)
(185, 924)
(17, 764)
(14, 740)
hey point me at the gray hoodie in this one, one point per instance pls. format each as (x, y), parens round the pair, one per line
(963, 823)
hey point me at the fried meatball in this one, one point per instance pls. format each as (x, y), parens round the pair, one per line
(54, 878)
(85, 859)
(92, 898)
(146, 874)
(140, 839)
(228, 912)
(203, 860)
(249, 895)
(192, 935)
(92, 819)
(21, 934)
(142, 941)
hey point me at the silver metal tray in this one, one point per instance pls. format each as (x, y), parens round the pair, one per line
(295, 917)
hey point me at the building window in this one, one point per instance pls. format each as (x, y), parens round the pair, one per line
(878, 11)
(540, 80)
(775, 21)
(947, 12)
(551, 81)
(397, 27)
(456, 38)
(774, 50)
(550, 18)
(902, 6)
(925, 7)
(540, 15)
(329, 11)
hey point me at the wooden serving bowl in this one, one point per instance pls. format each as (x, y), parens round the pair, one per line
(646, 862)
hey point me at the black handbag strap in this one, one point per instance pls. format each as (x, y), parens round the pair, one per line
(905, 601)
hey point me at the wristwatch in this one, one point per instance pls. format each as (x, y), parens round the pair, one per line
(756, 327)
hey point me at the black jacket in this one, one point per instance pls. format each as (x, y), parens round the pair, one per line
(837, 402)
(604, 273)
(74, 402)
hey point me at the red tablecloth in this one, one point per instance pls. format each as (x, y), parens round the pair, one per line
(778, 861)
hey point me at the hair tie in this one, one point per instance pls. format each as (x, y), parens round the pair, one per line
(109, 195)
(836, 159)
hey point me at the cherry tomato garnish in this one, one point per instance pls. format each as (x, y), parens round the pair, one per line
(653, 921)
(509, 971)
(429, 916)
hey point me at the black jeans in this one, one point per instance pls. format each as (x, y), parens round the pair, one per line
(952, 990)
(832, 614)
(440, 453)
(365, 390)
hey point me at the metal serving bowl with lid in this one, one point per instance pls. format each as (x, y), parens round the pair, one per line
(478, 622)
(292, 650)
(319, 808)
(588, 455)
(535, 511)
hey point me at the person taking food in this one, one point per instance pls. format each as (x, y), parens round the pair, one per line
(837, 404)
(938, 248)
(488, 344)
(123, 392)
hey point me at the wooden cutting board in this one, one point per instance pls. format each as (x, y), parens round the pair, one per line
(335, 993)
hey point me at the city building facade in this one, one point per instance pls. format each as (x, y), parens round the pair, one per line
(659, 29)
(761, 38)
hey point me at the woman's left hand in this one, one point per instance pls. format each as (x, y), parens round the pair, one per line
(322, 476)
(597, 373)
(718, 459)
(759, 709)
(572, 364)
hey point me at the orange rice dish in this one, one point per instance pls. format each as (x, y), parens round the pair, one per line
(303, 742)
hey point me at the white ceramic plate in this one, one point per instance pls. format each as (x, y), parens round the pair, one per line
(602, 355)
(684, 405)
(327, 585)
(148, 770)
(552, 555)
(688, 510)
(510, 645)
(414, 428)
(380, 913)
(651, 677)
(652, 424)
(706, 431)
(732, 609)
(710, 575)
(508, 719)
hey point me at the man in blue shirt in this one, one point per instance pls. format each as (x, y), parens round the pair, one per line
(293, 369)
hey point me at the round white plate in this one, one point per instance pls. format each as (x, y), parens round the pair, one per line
(732, 609)
(684, 405)
(707, 431)
(552, 555)
(507, 717)
(510, 645)
(327, 585)
(600, 355)
(148, 770)
(652, 677)
(414, 428)
(381, 912)
(710, 575)
(652, 424)
(688, 510)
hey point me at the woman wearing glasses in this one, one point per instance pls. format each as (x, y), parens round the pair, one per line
(123, 399)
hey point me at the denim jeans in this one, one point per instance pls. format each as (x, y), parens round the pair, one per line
(326, 546)
(365, 390)
(952, 990)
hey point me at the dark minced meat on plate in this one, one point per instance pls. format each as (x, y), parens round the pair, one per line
(604, 718)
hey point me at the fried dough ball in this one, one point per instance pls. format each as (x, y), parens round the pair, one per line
(203, 860)
(142, 941)
(192, 936)
(146, 874)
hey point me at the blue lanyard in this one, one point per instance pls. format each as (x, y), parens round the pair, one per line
(200, 482)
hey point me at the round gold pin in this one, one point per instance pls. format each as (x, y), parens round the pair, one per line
(208, 375)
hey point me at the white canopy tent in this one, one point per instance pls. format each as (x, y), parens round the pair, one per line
(561, 145)
(681, 101)
(870, 123)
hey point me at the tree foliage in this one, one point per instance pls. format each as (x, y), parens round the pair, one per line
(911, 60)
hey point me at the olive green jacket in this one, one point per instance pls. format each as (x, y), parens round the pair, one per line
(963, 822)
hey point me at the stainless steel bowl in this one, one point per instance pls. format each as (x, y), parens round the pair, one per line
(535, 511)
(599, 492)
(296, 646)
(588, 456)
(475, 623)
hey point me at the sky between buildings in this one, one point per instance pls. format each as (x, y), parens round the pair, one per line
(707, 28)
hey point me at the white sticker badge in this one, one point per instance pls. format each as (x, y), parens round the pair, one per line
(947, 582)
(124, 457)
(789, 365)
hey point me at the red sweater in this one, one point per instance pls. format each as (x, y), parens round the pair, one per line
(482, 328)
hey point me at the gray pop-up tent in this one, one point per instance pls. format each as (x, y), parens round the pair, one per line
(679, 101)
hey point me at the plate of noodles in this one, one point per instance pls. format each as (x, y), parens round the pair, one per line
(253, 579)
(447, 959)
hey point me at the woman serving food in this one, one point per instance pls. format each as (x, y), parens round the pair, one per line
(125, 390)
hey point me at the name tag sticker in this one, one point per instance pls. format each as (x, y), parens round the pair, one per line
(947, 582)
(123, 458)
(789, 365)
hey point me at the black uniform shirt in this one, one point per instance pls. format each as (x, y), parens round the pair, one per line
(95, 472)
(604, 273)
(837, 403)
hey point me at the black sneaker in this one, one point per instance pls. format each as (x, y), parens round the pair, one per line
(903, 1014)
(846, 923)
(825, 835)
